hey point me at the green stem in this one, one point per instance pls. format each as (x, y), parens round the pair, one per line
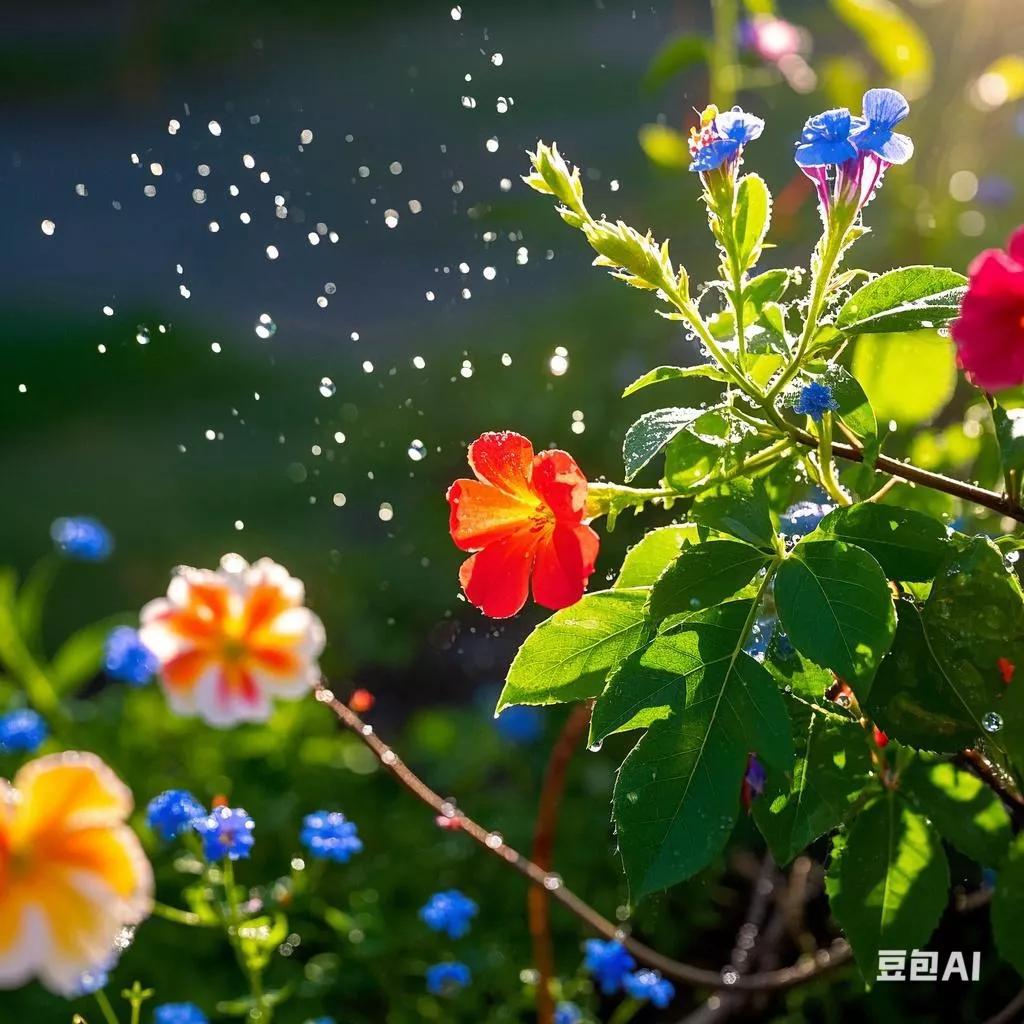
(105, 1008)
(722, 62)
(826, 468)
(263, 1012)
(22, 664)
(180, 916)
(626, 1011)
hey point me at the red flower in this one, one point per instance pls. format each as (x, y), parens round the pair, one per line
(881, 739)
(1006, 670)
(523, 513)
(989, 332)
(361, 701)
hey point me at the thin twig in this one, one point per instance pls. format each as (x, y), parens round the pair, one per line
(537, 906)
(1011, 1012)
(803, 971)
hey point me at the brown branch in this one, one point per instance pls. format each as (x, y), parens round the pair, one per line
(992, 500)
(997, 781)
(537, 905)
(805, 970)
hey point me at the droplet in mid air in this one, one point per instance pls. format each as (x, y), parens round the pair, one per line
(991, 721)
(417, 450)
(327, 387)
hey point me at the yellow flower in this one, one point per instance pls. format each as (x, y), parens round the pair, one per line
(72, 873)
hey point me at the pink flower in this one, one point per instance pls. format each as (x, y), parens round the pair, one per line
(989, 332)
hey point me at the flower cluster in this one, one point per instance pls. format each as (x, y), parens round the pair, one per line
(172, 813)
(568, 1013)
(82, 538)
(523, 516)
(229, 641)
(814, 400)
(846, 156)
(226, 832)
(22, 731)
(718, 144)
(449, 912)
(650, 986)
(72, 873)
(609, 962)
(329, 835)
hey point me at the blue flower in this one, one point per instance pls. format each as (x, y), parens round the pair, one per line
(754, 779)
(568, 1013)
(127, 658)
(815, 400)
(172, 812)
(803, 517)
(226, 832)
(447, 978)
(826, 139)
(89, 983)
(82, 538)
(21, 732)
(520, 723)
(883, 110)
(732, 130)
(329, 835)
(650, 985)
(609, 963)
(179, 1013)
(449, 912)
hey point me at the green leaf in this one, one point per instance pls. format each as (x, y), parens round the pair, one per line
(1009, 424)
(678, 54)
(649, 557)
(31, 599)
(791, 669)
(567, 657)
(855, 410)
(649, 434)
(751, 219)
(894, 40)
(885, 363)
(704, 575)
(738, 507)
(660, 373)
(665, 147)
(964, 810)
(1008, 907)
(907, 299)
(708, 449)
(834, 602)
(832, 767)
(80, 657)
(677, 795)
(767, 287)
(941, 685)
(908, 545)
(888, 881)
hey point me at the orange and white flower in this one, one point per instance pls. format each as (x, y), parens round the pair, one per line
(72, 873)
(230, 640)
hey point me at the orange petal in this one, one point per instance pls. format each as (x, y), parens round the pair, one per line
(482, 514)
(264, 604)
(182, 672)
(503, 459)
(497, 579)
(63, 792)
(278, 661)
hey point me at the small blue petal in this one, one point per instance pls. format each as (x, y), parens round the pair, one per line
(22, 731)
(179, 1013)
(226, 832)
(449, 912)
(172, 812)
(650, 985)
(329, 835)
(446, 979)
(714, 154)
(82, 538)
(890, 146)
(127, 658)
(824, 152)
(568, 1013)
(885, 107)
(520, 723)
(608, 962)
(815, 400)
(739, 126)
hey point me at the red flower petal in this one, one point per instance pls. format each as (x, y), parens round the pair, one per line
(497, 579)
(561, 484)
(503, 459)
(481, 514)
(565, 560)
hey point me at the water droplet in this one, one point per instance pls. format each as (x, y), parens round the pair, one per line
(391, 218)
(142, 334)
(494, 840)
(265, 326)
(385, 513)
(991, 721)
(327, 387)
(48, 227)
(214, 127)
(305, 136)
(417, 450)
(456, 14)
(272, 252)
